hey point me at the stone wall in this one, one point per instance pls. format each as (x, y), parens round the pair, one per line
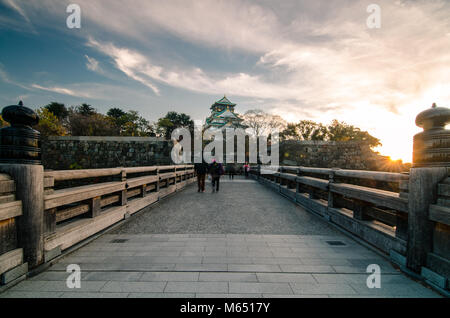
(333, 154)
(72, 152)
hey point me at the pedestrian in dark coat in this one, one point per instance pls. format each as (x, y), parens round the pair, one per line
(231, 171)
(215, 170)
(201, 169)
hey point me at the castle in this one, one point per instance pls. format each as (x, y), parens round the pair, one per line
(223, 116)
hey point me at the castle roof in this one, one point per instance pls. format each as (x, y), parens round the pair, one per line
(223, 115)
(223, 101)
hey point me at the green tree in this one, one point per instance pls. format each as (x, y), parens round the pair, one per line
(135, 125)
(115, 113)
(118, 117)
(130, 123)
(290, 132)
(341, 131)
(310, 130)
(167, 124)
(336, 131)
(85, 109)
(305, 130)
(49, 124)
(58, 109)
(84, 121)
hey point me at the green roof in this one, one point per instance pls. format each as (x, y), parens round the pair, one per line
(226, 117)
(224, 101)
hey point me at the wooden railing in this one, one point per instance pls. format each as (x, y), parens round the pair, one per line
(406, 216)
(80, 203)
(371, 205)
(11, 256)
(438, 259)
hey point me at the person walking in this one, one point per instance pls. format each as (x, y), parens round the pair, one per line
(215, 170)
(201, 169)
(246, 169)
(231, 171)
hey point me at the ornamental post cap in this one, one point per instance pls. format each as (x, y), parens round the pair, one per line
(19, 115)
(19, 142)
(433, 118)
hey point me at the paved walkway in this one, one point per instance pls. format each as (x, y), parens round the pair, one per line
(245, 241)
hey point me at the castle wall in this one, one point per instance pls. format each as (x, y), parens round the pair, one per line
(332, 154)
(80, 152)
(86, 152)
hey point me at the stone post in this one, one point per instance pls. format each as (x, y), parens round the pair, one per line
(331, 195)
(422, 192)
(20, 158)
(431, 157)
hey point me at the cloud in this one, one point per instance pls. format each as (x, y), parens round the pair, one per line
(314, 53)
(16, 7)
(59, 90)
(139, 67)
(12, 21)
(5, 77)
(315, 59)
(92, 64)
(129, 62)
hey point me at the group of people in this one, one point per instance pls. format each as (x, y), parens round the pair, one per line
(215, 170)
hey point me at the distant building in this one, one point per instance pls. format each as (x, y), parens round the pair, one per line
(223, 116)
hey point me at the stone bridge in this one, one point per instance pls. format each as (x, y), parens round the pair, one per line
(244, 241)
(282, 232)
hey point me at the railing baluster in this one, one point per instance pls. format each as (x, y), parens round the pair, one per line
(360, 210)
(95, 207)
(331, 195)
(49, 221)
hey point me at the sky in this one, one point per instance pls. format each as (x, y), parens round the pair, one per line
(315, 60)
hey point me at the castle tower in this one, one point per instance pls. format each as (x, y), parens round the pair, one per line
(223, 116)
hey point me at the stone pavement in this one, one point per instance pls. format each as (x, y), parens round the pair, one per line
(245, 241)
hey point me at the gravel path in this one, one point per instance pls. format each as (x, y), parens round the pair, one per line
(240, 207)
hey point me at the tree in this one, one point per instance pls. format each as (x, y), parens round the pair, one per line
(290, 132)
(135, 125)
(263, 123)
(115, 113)
(117, 116)
(130, 123)
(49, 124)
(305, 130)
(167, 124)
(163, 126)
(93, 124)
(341, 131)
(336, 131)
(58, 109)
(85, 109)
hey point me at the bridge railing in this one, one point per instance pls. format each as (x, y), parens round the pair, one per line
(12, 263)
(405, 215)
(80, 203)
(438, 258)
(371, 205)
